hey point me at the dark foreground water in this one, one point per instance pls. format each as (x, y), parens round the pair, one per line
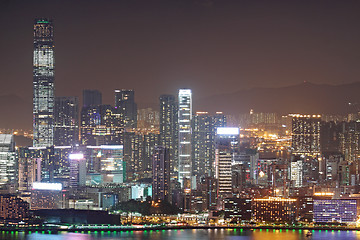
(194, 234)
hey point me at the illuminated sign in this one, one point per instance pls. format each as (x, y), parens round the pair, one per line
(184, 91)
(77, 156)
(323, 194)
(227, 131)
(107, 147)
(47, 186)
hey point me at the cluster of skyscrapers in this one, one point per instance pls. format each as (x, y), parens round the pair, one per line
(96, 144)
(95, 155)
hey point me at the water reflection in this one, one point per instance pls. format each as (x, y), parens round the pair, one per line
(190, 234)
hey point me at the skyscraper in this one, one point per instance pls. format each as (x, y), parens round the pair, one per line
(125, 103)
(169, 131)
(184, 121)
(203, 142)
(66, 129)
(227, 143)
(161, 174)
(43, 83)
(306, 134)
(8, 163)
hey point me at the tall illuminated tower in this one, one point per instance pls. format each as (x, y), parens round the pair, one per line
(227, 147)
(43, 82)
(184, 121)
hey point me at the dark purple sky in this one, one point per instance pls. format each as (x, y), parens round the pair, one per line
(157, 47)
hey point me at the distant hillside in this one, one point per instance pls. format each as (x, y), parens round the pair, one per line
(310, 98)
(303, 98)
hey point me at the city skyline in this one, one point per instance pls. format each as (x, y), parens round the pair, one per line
(269, 157)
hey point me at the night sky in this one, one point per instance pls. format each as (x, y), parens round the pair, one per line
(156, 47)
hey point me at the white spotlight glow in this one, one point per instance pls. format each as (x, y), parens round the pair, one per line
(76, 156)
(227, 131)
(47, 186)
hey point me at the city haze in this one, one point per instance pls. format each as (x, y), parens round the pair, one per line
(156, 47)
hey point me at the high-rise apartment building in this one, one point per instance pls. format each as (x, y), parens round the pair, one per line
(151, 140)
(168, 137)
(66, 129)
(203, 142)
(203, 151)
(125, 104)
(306, 134)
(134, 155)
(184, 121)
(43, 83)
(161, 174)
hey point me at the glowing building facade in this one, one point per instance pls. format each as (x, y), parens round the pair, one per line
(306, 134)
(184, 121)
(43, 83)
(203, 142)
(335, 210)
(13, 209)
(8, 166)
(274, 209)
(46, 196)
(227, 143)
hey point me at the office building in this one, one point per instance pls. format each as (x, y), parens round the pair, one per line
(8, 162)
(13, 209)
(66, 129)
(126, 106)
(105, 164)
(168, 137)
(274, 209)
(26, 169)
(43, 83)
(46, 196)
(184, 121)
(335, 210)
(161, 174)
(77, 170)
(227, 147)
(296, 172)
(238, 209)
